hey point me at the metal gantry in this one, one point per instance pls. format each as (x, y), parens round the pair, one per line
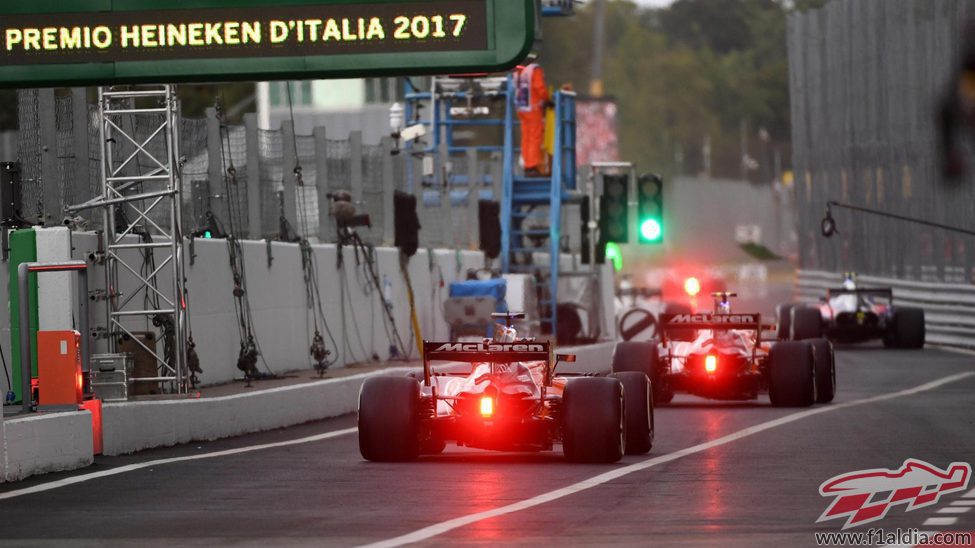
(142, 240)
(531, 207)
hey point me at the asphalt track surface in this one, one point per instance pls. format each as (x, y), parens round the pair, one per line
(756, 490)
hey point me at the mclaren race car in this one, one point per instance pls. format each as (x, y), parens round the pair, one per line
(851, 314)
(504, 394)
(723, 356)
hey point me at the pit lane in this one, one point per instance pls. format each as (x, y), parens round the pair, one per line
(762, 489)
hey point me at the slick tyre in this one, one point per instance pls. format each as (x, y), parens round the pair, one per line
(389, 419)
(825, 370)
(592, 420)
(792, 374)
(909, 327)
(783, 317)
(642, 357)
(637, 410)
(805, 323)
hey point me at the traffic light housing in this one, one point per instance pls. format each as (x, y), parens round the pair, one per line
(489, 225)
(650, 209)
(614, 211)
(406, 223)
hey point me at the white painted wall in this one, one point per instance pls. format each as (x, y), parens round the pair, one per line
(282, 321)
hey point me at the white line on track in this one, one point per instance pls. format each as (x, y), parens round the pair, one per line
(456, 523)
(159, 462)
(969, 495)
(941, 521)
(963, 502)
(954, 510)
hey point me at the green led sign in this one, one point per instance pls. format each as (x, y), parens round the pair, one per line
(71, 42)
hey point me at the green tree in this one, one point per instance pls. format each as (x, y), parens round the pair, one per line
(692, 72)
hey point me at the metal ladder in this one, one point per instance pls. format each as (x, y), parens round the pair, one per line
(525, 228)
(524, 200)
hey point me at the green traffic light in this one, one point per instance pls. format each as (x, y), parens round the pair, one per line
(615, 254)
(651, 231)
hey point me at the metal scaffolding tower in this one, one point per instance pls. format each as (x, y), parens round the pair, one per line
(142, 241)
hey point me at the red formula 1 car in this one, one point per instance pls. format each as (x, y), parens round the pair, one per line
(504, 395)
(723, 356)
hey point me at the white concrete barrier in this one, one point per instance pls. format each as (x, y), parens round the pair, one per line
(45, 443)
(134, 426)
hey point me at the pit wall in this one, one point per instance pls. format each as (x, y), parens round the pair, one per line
(40, 444)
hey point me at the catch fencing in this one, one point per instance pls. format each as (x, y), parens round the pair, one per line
(866, 77)
(58, 147)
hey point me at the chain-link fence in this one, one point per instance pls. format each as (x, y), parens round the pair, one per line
(866, 78)
(61, 145)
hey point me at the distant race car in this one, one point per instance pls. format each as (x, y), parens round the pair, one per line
(682, 289)
(504, 395)
(723, 356)
(851, 314)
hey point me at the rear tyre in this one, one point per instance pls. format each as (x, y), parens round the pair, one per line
(592, 420)
(783, 316)
(909, 327)
(792, 376)
(638, 411)
(642, 357)
(389, 419)
(806, 323)
(825, 370)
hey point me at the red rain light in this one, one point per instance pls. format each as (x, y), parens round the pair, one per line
(692, 286)
(487, 406)
(711, 364)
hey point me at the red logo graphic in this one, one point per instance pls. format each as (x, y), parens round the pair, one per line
(866, 496)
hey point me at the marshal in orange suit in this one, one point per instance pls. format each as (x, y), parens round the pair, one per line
(531, 97)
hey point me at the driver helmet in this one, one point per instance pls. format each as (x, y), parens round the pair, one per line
(504, 334)
(849, 280)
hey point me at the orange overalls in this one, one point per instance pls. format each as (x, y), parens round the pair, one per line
(531, 95)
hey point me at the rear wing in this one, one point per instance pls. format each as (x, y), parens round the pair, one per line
(885, 292)
(714, 322)
(474, 352)
(493, 352)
